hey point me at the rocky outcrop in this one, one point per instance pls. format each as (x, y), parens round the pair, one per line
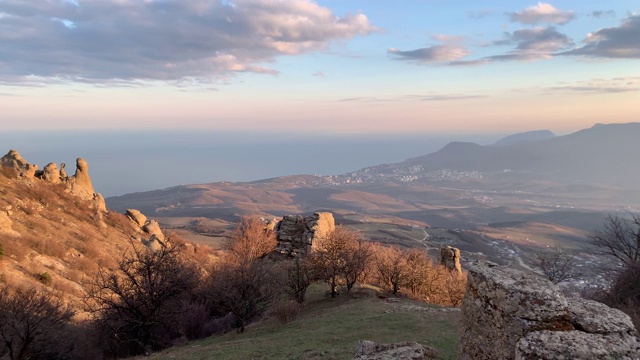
(51, 174)
(6, 224)
(508, 314)
(137, 217)
(14, 161)
(79, 184)
(296, 233)
(154, 237)
(368, 350)
(450, 258)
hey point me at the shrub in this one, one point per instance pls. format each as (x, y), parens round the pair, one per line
(285, 311)
(1, 251)
(45, 278)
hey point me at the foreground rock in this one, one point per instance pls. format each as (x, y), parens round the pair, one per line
(368, 350)
(508, 314)
(450, 258)
(296, 234)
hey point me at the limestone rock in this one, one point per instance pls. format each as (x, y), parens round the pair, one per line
(450, 258)
(296, 233)
(137, 217)
(80, 183)
(99, 203)
(508, 314)
(153, 244)
(153, 228)
(368, 350)
(6, 224)
(51, 174)
(14, 161)
(577, 345)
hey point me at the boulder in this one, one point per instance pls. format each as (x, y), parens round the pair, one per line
(80, 183)
(51, 174)
(368, 350)
(296, 233)
(450, 258)
(14, 161)
(99, 203)
(509, 314)
(137, 217)
(153, 228)
(6, 224)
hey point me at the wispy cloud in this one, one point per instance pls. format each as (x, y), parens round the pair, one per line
(615, 42)
(542, 13)
(170, 40)
(449, 50)
(415, 97)
(603, 13)
(479, 14)
(533, 44)
(600, 86)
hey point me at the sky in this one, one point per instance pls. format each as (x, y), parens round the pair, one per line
(318, 67)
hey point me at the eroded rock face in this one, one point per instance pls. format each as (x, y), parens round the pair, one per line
(153, 229)
(508, 314)
(80, 183)
(137, 217)
(51, 174)
(14, 161)
(296, 233)
(450, 258)
(368, 350)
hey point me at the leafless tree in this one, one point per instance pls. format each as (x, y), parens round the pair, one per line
(298, 277)
(392, 267)
(619, 238)
(558, 265)
(340, 258)
(137, 308)
(245, 290)
(33, 324)
(250, 240)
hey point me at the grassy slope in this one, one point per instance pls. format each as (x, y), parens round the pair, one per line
(329, 329)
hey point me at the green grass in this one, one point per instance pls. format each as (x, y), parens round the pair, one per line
(330, 329)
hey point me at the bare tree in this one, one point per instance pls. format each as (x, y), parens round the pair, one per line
(33, 324)
(619, 238)
(340, 258)
(138, 307)
(245, 290)
(250, 240)
(558, 265)
(298, 277)
(392, 267)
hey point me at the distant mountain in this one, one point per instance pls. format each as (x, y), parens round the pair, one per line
(525, 137)
(603, 154)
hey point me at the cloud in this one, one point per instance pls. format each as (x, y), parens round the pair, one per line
(615, 42)
(319, 74)
(414, 97)
(450, 50)
(479, 14)
(600, 86)
(542, 13)
(603, 13)
(533, 44)
(169, 40)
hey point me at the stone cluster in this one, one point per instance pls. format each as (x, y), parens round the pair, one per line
(78, 184)
(154, 237)
(509, 314)
(368, 350)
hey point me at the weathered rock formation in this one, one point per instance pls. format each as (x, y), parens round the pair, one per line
(450, 258)
(508, 314)
(14, 161)
(296, 233)
(6, 224)
(78, 184)
(155, 238)
(368, 350)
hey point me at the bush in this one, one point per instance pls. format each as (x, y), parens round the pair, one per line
(34, 325)
(1, 251)
(139, 307)
(45, 278)
(285, 311)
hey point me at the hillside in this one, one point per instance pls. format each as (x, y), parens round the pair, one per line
(55, 233)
